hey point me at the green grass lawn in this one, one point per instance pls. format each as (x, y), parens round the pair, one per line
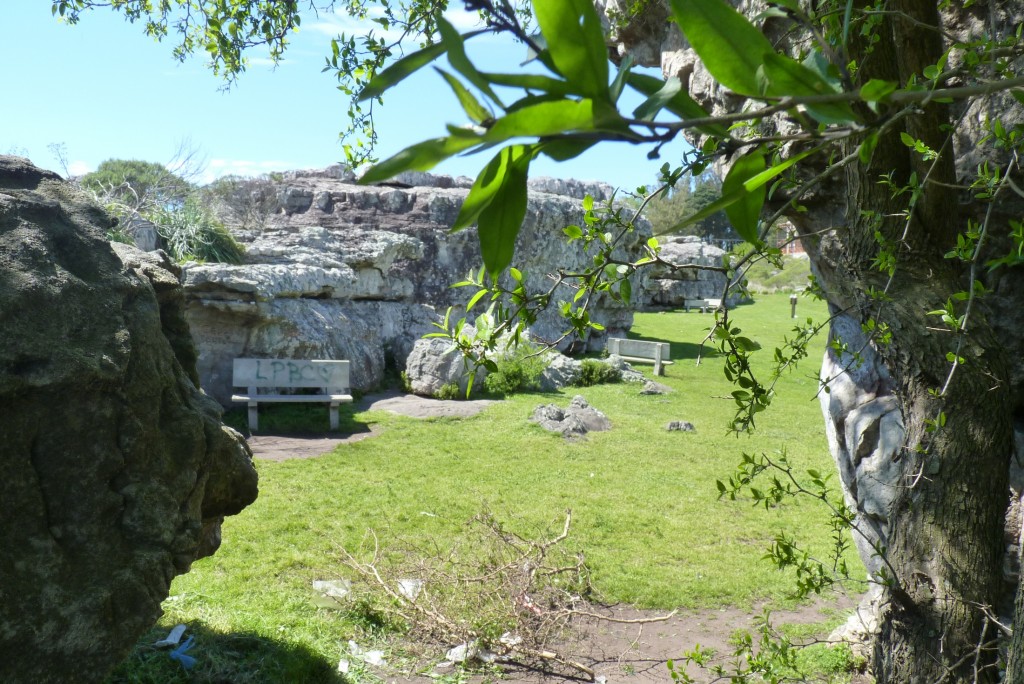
(645, 506)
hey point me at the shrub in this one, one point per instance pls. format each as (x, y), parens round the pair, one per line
(192, 232)
(243, 202)
(448, 391)
(595, 372)
(517, 372)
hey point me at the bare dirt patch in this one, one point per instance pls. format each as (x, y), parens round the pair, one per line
(423, 407)
(623, 652)
(289, 446)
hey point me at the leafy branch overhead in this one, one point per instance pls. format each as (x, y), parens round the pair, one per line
(573, 106)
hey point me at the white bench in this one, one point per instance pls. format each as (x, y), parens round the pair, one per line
(260, 375)
(702, 304)
(641, 351)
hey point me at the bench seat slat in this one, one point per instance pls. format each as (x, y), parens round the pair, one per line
(342, 398)
(641, 359)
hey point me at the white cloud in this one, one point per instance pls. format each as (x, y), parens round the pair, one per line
(79, 168)
(266, 62)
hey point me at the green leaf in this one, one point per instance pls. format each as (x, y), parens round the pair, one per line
(573, 232)
(398, 71)
(575, 42)
(561, 149)
(746, 210)
(747, 344)
(545, 84)
(761, 179)
(625, 291)
(544, 119)
(474, 110)
(476, 298)
(681, 104)
(877, 90)
(731, 47)
(650, 107)
(497, 203)
(460, 62)
(419, 157)
(781, 76)
(867, 148)
(619, 82)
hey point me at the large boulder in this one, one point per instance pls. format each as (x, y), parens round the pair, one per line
(343, 271)
(117, 469)
(668, 286)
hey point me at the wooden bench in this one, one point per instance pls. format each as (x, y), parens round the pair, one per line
(641, 351)
(260, 375)
(702, 304)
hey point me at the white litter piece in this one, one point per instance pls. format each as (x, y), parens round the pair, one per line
(344, 666)
(173, 638)
(460, 653)
(375, 658)
(410, 588)
(470, 651)
(509, 639)
(329, 593)
(600, 679)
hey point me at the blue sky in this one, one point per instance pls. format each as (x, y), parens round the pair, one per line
(102, 89)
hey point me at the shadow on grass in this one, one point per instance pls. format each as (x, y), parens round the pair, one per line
(683, 351)
(298, 420)
(225, 658)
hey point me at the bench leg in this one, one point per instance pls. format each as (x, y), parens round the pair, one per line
(334, 417)
(254, 420)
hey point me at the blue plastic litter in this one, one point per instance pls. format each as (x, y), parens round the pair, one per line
(178, 654)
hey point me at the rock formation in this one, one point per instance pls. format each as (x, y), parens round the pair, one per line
(338, 270)
(669, 288)
(574, 421)
(117, 469)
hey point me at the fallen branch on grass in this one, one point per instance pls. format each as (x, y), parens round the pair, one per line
(528, 591)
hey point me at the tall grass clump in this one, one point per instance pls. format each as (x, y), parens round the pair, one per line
(191, 232)
(596, 372)
(518, 371)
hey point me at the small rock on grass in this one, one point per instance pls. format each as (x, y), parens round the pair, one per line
(680, 426)
(651, 387)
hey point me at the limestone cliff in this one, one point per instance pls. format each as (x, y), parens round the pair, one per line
(339, 270)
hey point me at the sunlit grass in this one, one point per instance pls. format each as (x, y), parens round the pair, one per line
(645, 505)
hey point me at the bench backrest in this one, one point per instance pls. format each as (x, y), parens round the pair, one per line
(290, 373)
(638, 348)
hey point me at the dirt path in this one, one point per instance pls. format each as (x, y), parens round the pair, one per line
(285, 447)
(635, 653)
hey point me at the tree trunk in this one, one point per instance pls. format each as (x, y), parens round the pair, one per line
(1015, 664)
(944, 547)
